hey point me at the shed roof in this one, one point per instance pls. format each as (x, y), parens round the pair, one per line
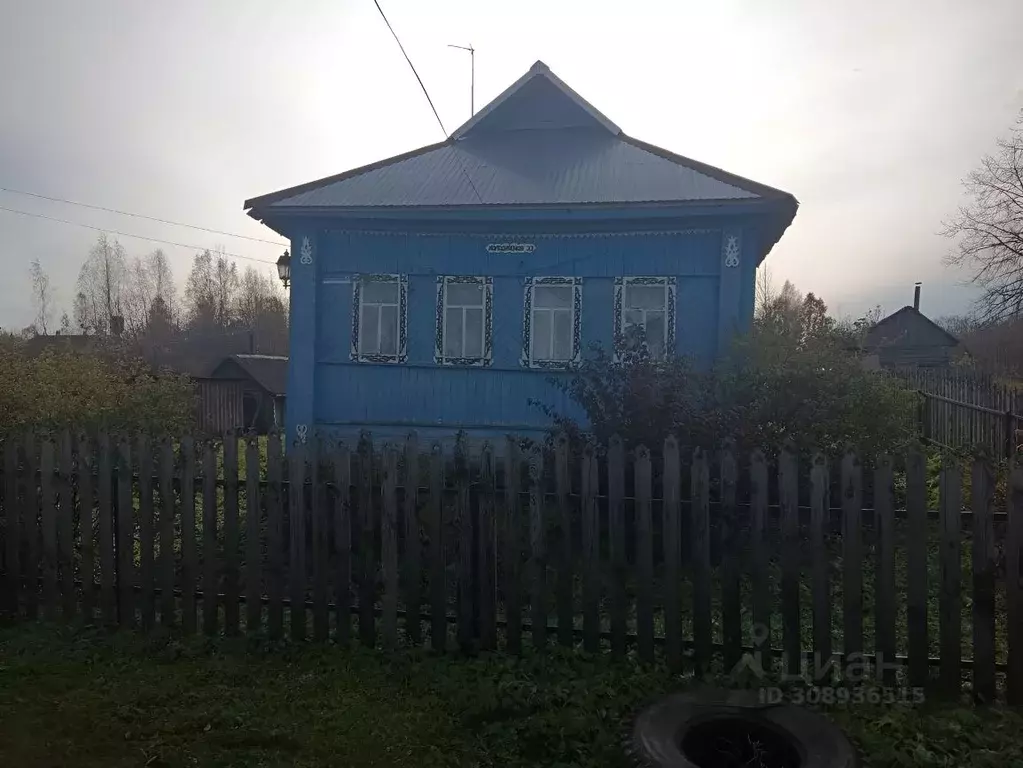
(908, 327)
(268, 371)
(537, 144)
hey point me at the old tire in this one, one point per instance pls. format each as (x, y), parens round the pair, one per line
(660, 729)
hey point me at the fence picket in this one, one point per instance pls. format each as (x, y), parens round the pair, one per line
(672, 540)
(66, 529)
(731, 596)
(916, 566)
(125, 522)
(30, 521)
(275, 536)
(253, 537)
(367, 546)
(820, 518)
(512, 546)
(147, 605)
(438, 587)
(562, 487)
(389, 548)
(464, 527)
(297, 539)
(616, 533)
(320, 525)
(538, 556)
(413, 543)
(759, 520)
(48, 518)
(644, 555)
(210, 567)
(12, 515)
(788, 496)
(231, 607)
(486, 556)
(981, 488)
(950, 575)
(590, 514)
(167, 514)
(852, 557)
(700, 532)
(86, 522)
(189, 568)
(884, 584)
(1014, 584)
(343, 544)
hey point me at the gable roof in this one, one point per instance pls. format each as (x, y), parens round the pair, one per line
(908, 327)
(268, 371)
(537, 144)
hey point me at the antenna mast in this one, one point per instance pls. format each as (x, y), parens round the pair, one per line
(472, 81)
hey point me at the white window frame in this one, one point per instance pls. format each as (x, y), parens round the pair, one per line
(669, 284)
(358, 282)
(530, 283)
(487, 346)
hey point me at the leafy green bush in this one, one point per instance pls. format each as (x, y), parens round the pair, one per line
(814, 393)
(59, 389)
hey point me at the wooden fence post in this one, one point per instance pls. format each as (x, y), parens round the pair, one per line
(66, 529)
(321, 523)
(464, 526)
(167, 514)
(700, 532)
(672, 554)
(367, 546)
(209, 539)
(788, 493)
(438, 587)
(297, 539)
(487, 581)
(562, 488)
(146, 534)
(512, 546)
(125, 537)
(616, 535)
(590, 511)
(30, 525)
(731, 595)
(87, 522)
(343, 544)
(389, 548)
(275, 536)
(189, 567)
(48, 519)
(253, 534)
(231, 570)
(644, 555)
(981, 491)
(413, 543)
(538, 555)
(950, 570)
(1014, 584)
(916, 566)
(12, 586)
(820, 533)
(852, 558)
(759, 522)
(884, 584)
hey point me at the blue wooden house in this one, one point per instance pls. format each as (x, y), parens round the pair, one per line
(441, 289)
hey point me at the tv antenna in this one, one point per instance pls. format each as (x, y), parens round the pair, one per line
(472, 81)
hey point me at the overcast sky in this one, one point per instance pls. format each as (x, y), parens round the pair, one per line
(869, 112)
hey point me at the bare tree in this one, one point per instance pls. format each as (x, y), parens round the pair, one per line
(100, 287)
(261, 309)
(211, 290)
(989, 230)
(42, 297)
(764, 290)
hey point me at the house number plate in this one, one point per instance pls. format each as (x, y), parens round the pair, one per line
(510, 248)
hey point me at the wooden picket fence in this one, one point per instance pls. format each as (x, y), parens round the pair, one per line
(682, 555)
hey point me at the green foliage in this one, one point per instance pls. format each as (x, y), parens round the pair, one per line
(59, 389)
(775, 387)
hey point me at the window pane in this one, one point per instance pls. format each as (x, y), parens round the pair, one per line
(633, 317)
(541, 335)
(380, 293)
(388, 330)
(562, 336)
(453, 333)
(552, 296)
(644, 296)
(462, 294)
(369, 325)
(655, 333)
(473, 333)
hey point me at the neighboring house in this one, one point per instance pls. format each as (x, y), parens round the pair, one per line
(244, 392)
(440, 289)
(909, 339)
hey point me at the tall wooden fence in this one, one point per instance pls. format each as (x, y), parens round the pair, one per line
(697, 556)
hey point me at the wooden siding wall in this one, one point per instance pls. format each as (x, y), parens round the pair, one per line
(219, 405)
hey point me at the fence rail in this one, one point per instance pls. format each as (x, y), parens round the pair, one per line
(699, 556)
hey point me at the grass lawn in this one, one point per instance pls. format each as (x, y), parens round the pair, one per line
(88, 698)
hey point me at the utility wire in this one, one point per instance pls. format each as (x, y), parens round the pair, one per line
(138, 216)
(425, 93)
(129, 234)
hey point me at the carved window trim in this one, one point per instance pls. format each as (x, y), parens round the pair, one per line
(488, 320)
(670, 284)
(357, 283)
(526, 359)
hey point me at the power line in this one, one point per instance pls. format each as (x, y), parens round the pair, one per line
(129, 234)
(139, 216)
(425, 93)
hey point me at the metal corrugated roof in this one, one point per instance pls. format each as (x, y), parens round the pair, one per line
(539, 143)
(532, 167)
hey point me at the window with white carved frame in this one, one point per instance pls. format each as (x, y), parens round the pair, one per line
(551, 322)
(645, 313)
(465, 320)
(379, 326)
